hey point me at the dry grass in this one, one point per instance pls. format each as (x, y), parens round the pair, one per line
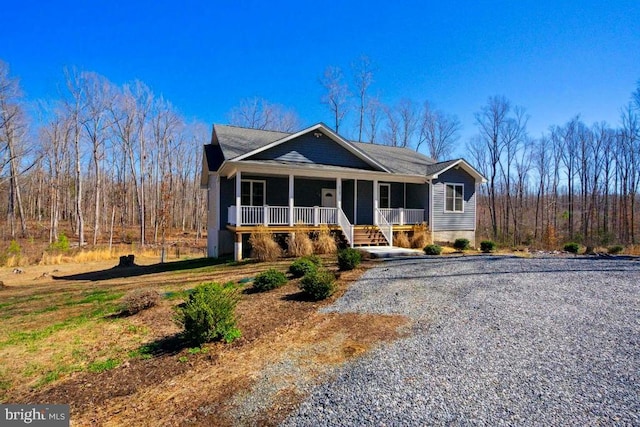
(421, 236)
(401, 240)
(632, 250)
(61, 345)
(263, 245)
(299, 244)
(325, 243)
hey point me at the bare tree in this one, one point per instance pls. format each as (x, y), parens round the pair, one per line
(438, 131)
(363, 77)
(12, 128)
(337, 94)
(373, 114)
(490, 121)
(258, 113)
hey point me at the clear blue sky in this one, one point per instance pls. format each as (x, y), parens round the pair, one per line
(555, 58)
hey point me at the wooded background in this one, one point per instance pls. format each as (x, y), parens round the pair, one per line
(110, 163)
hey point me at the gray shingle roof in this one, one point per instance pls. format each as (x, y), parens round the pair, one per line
(236, 141)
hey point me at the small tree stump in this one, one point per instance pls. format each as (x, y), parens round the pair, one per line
(127, 261)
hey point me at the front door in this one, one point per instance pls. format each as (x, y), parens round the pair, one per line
(328, 198)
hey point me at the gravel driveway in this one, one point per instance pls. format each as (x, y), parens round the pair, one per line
(495, 341)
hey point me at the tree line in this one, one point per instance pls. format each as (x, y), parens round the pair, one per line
(101, 161)
(104, 159)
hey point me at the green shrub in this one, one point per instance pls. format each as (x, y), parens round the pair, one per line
(209, 313)
(302, 266)
(268, 280)
(14, 248)
(615, 249)
(432, 250)
(62, 244)
(487, 246)
(461, 244)
(314, 259)
(318, 284)
(572, 247)
(349, 258)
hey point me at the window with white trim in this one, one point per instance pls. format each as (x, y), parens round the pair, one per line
(252, 192)
(454, 198)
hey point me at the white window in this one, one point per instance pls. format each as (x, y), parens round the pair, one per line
(384, 196)
(252, 192)
(454, 198)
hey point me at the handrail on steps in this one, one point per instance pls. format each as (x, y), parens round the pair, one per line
(346, 226)
(385, 227)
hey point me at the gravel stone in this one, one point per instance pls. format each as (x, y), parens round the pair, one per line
(495, 341)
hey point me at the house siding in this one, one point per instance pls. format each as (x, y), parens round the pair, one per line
(227, 198)
(308, 192)
(454, 220)
(309, 149)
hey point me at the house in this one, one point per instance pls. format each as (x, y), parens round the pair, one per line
(315, 178)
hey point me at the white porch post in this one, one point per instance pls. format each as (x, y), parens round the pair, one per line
(355, 201)
(291, 206)
(375, 202)
(339, 193)
(238, 243)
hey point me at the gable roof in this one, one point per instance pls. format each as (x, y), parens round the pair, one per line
(232, 143)
(434, 170)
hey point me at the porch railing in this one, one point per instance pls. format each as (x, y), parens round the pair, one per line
(279, 215)
(401, 216)
(385, 227)
(346, 226)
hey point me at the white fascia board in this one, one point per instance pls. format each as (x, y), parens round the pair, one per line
(231, 168)
(328, 132)
(467, 167)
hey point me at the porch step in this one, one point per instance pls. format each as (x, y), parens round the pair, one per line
(368, 236)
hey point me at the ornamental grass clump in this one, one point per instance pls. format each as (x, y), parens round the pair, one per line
(401, 240)
(420, 236)
(299, 244)
(209, 314)
(268, 280)
(318, 284)
(263, 245)
(325, 242)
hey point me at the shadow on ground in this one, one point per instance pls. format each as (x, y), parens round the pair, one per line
(140, 270)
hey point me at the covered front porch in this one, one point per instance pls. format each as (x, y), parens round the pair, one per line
(346, 204)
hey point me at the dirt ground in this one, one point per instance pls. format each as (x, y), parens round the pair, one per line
(173, 384)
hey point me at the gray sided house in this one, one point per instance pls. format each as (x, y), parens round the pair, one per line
(316, 179)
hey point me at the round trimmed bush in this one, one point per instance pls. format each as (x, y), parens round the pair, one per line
(268, 280)
(318, 284)
(461, 244)
(572, 247)
(432, 250)
(302, 266)
(487, 246)
(209, 313)
(349, 258)
(616, 249)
